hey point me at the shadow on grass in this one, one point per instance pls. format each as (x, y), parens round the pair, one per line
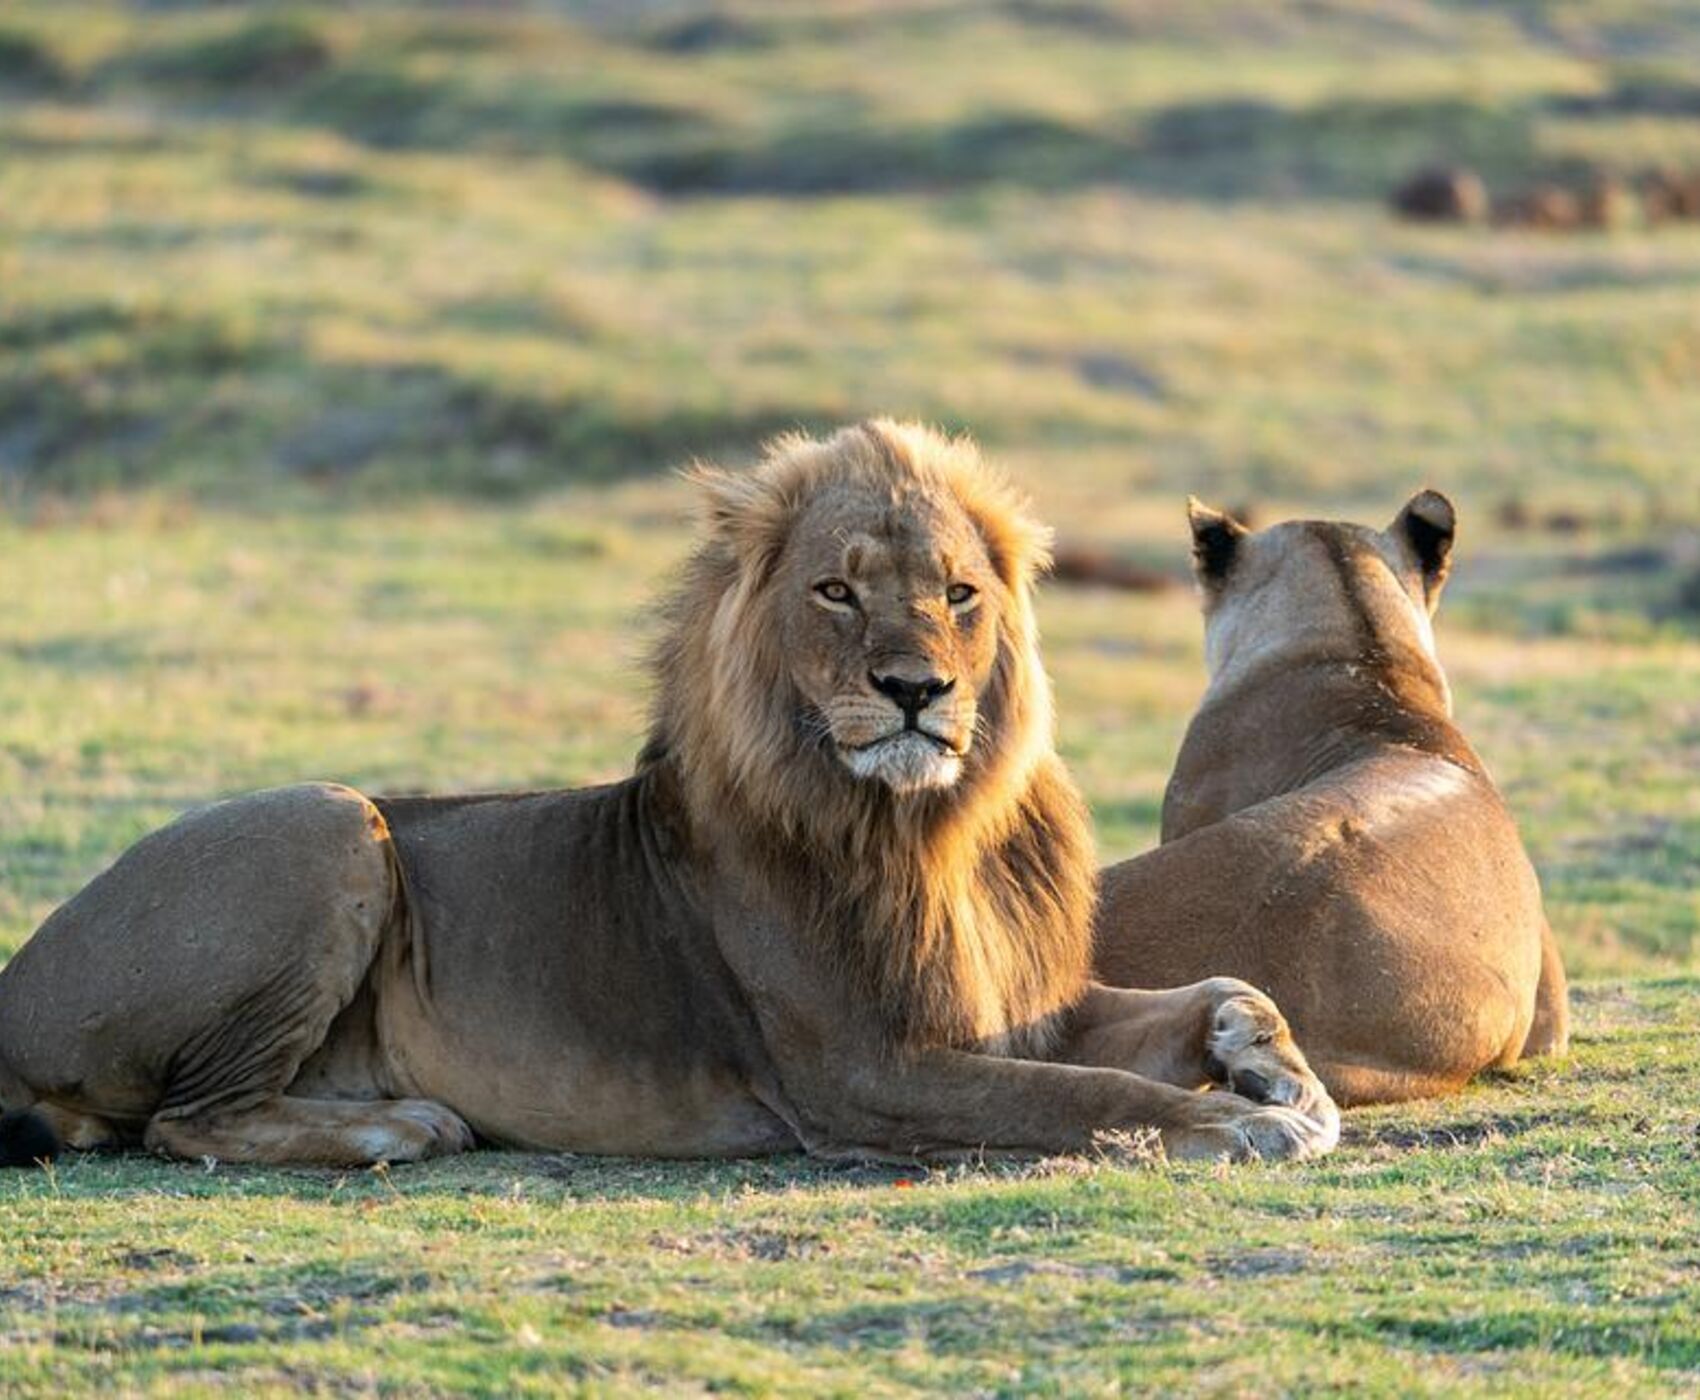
(89, 654)
(443, 431)
(74, 416)
(1563, 271)
(1663, 1338)
(1217, 150)
(28, 67)
(91, 382)
(837, 141)
(484, 1173)
(1637, 92)
(261, 54)
(1462, 1133)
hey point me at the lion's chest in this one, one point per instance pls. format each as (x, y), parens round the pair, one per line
(987, 985)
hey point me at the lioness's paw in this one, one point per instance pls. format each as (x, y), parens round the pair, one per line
(1249, 1132)
(1252, 1052)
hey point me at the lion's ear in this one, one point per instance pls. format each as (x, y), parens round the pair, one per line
(1216, 537)
(1018, 545)
(744, 511)
(1426, 528)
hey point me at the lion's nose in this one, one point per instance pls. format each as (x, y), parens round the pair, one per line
(910, 695)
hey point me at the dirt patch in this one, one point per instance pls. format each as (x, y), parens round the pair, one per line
(1089, 566)
(150, 1259)
(767, 1246)
(1015, 1270)
(1262, 1263)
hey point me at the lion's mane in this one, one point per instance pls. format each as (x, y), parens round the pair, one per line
(959, 917)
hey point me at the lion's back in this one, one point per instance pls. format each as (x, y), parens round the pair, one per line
(555, 954)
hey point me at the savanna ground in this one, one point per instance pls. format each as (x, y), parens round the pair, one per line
(342, 350)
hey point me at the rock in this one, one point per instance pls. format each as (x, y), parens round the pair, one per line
(1540, 206)
(1442, 194)
(1607, 203)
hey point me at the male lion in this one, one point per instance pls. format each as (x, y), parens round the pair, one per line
(843, 905)
(1328, 834)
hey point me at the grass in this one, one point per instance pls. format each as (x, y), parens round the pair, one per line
(494, 253)
(1535, 1235)
(342, 350)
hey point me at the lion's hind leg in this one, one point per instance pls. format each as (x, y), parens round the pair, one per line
(227, 1097)
(325, 1132)
(180, 993)
(295, 963)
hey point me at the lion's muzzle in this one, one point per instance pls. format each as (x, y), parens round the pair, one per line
(911, 696)
(911, 739)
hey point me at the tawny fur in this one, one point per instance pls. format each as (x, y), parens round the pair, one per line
(1328, 833)
(991, 879)
(818, 916)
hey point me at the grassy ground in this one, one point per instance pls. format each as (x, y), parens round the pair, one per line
(341, 351)
(1537, 1235)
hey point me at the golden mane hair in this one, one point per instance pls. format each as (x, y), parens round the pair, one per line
(961, 916)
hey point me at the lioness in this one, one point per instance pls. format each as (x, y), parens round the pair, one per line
(1327, 833)
(844, 904)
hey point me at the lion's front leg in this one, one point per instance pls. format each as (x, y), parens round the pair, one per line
(942, 1104)
(1220, 1032)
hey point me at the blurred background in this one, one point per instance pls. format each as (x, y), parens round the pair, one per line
(345, 349)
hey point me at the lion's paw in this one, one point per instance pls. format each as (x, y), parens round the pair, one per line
(1251, 1051)
(411, 1130)
(1235, 1130)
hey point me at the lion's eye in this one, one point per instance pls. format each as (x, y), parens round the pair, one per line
(961, 594)
(836, 591)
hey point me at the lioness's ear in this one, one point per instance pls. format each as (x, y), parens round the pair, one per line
(1216, 537)
(1427, 527)
(744, 511)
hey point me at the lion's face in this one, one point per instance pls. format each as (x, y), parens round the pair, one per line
(859, 620)
(889, 615)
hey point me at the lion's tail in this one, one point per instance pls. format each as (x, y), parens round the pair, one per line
(27, 1138)
(27, 1135)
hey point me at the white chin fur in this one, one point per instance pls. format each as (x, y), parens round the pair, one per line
(905, 763)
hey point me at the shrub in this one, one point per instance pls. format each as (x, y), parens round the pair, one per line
(29, 65)
(267, 53)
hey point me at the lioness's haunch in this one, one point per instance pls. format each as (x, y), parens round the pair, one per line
(843, 905)
(1328, 834)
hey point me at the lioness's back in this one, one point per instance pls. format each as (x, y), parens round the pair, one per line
(1329, 833)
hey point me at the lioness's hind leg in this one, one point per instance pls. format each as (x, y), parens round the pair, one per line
(1549, 1034)
(1353, 1085)
(325, 1132)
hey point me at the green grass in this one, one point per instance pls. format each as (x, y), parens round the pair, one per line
(384, 248)
(342, 352)
(155, 654)
(1535, 1235)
